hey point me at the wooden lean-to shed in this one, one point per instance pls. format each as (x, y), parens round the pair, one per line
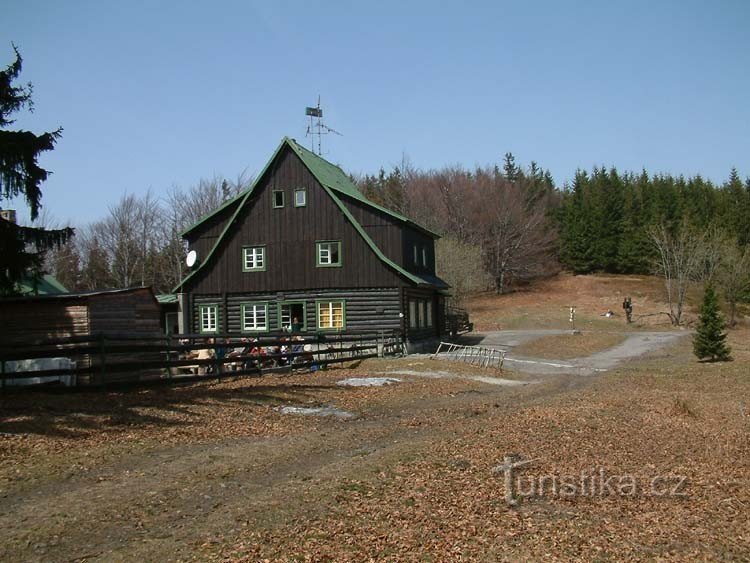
(133, 312)
(120, 316)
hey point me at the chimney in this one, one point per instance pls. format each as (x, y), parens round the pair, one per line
(8, 215)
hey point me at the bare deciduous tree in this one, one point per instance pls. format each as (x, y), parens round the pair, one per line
(734, 276)
(680, 260)
(518, 239)
(460, 264)
(189, 206)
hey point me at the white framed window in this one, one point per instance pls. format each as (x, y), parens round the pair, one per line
(424, 256)
(328, 253)
(209, 318)
(413, 319)
(415, 254)
(428, 317)
(331, 315)
(254, 317)
(292, 316)
(278, 198)
(422, 307)
(300, 197)
(253, 258)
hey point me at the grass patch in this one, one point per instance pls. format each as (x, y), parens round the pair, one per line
(567, 346)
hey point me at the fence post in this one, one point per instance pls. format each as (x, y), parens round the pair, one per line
(103, 359)
(169, 356)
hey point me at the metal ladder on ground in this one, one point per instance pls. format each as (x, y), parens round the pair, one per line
(473, 355)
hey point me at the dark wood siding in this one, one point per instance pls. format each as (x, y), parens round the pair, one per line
(366, 309)
(384, 230)
(289, 236)
(203, 238)
(412, 238)
(29, 320)
(135, 313)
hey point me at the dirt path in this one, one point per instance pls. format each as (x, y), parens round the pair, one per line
(636, 345)
(180, 502)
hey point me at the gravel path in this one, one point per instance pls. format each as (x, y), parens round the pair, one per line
(636, 345)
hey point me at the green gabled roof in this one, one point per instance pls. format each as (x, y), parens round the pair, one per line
(216, 211)
(333, 179)
(46, 285)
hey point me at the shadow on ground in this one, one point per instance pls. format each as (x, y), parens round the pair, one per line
(75, 413)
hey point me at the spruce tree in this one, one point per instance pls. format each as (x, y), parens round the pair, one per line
(510, 169)
(22, 248)
(709, 341)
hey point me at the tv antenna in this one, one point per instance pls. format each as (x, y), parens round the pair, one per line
(316, 127)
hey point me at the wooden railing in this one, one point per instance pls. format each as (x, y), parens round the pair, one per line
(101, 359)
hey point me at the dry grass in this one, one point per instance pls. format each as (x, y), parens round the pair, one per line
(213, 472)
(568, 346)
(546, 304)
(655, 424)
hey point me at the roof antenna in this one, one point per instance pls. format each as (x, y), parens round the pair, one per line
(317, 128)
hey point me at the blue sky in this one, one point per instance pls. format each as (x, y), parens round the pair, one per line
(155, 94)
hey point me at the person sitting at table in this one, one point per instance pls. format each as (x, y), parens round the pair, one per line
(200, 354)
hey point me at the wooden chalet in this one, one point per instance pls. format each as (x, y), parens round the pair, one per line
(304, 247)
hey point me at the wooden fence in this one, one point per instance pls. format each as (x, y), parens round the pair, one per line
(100, 359)
(457, 321)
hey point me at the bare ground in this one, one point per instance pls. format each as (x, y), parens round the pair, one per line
(546, 304)
(215, 471)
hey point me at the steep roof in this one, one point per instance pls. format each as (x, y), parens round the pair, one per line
(334, 182)
(328, 174)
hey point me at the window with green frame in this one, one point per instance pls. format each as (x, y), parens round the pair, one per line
(328, 253)
(209, 318)
(253, 258)
(331, 315)
(254, 317)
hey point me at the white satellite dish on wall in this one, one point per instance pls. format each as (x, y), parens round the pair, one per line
(191, 259)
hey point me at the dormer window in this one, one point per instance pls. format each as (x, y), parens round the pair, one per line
(278, 199)
(300, 197)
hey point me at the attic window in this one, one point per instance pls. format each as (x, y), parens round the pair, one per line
(300, 197)
(278, 198)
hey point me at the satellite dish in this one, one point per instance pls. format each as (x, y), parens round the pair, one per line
(191, 258)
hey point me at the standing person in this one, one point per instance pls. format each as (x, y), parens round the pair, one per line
(627, 305)
(296, 326)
